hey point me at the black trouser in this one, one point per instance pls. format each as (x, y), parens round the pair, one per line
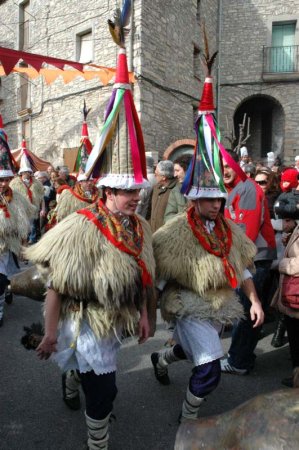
(100, 392)
(292, 326)
(3, 283)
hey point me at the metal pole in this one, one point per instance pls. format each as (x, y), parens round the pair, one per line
(219, 56)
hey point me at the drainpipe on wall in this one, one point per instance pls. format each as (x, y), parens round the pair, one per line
(130, 60)
(219, 57)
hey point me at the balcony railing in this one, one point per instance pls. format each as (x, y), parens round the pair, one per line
(280, 59)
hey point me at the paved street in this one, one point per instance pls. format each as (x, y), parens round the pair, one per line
(33, 416)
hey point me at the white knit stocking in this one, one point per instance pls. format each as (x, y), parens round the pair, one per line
(191, 406)
(98, 435)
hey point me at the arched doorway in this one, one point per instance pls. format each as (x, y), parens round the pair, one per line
(178, 148)
(266, 125)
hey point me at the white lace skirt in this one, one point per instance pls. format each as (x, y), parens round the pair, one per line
(200, 339)
(89, 352)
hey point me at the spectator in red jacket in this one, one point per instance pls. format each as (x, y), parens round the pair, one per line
(247, 206)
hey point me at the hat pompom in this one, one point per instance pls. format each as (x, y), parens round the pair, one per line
(122, 74)
(207, 99)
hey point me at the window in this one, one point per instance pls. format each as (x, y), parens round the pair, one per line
(26, 131)
(24, 94)
(283, 47)
(196, 62)
(84, 43)
(24, 26)
(198, 11)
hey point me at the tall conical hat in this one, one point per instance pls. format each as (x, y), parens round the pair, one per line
(118, 156)
(84, 149)
(26, 162)
(204, 178)
(7, 162)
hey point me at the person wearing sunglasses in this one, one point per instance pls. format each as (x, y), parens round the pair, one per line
(268, 182)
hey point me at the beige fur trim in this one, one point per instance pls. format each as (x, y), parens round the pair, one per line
(67, 204)
(102, 321)
(83, 264)
(180, 257)
(221, 305)
(15, 228)
(198, 286)
(36, 188)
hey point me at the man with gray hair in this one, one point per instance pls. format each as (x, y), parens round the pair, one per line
(166, 181)
(64, 173)
(146, 193)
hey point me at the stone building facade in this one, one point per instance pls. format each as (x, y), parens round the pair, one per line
(259, 73)
(255, 75)
(163, 50)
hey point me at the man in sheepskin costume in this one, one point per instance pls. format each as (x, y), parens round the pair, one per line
(30, 188)
(15, 215)
(84, 192)
(200, 259)
(100, 266)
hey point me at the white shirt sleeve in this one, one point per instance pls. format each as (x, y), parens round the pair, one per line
(160, 284)
(246, 275)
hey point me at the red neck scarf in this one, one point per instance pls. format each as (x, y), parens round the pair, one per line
(218, 242)
(128, 239)
(28, 186)
(5, 199)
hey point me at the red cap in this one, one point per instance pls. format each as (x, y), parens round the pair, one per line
(122, 75)
(291, 176)
(207, 101)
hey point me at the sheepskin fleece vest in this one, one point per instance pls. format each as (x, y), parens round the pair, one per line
(68, 203)
(36, 188)
(197, 285)
(84, 267)
(15, 228)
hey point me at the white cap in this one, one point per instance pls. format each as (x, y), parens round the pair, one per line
(270, 156)
(297, 158)
(243, 151)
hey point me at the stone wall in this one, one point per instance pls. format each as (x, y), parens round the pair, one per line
(161, 52)
(166, 93)
(57, 108)
(169, 89)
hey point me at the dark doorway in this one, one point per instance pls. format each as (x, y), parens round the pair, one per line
(266, 125)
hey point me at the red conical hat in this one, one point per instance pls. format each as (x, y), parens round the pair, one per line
(207, 101)
(26, 163)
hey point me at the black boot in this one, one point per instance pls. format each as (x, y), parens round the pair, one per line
(8, 297)
(278, 338)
